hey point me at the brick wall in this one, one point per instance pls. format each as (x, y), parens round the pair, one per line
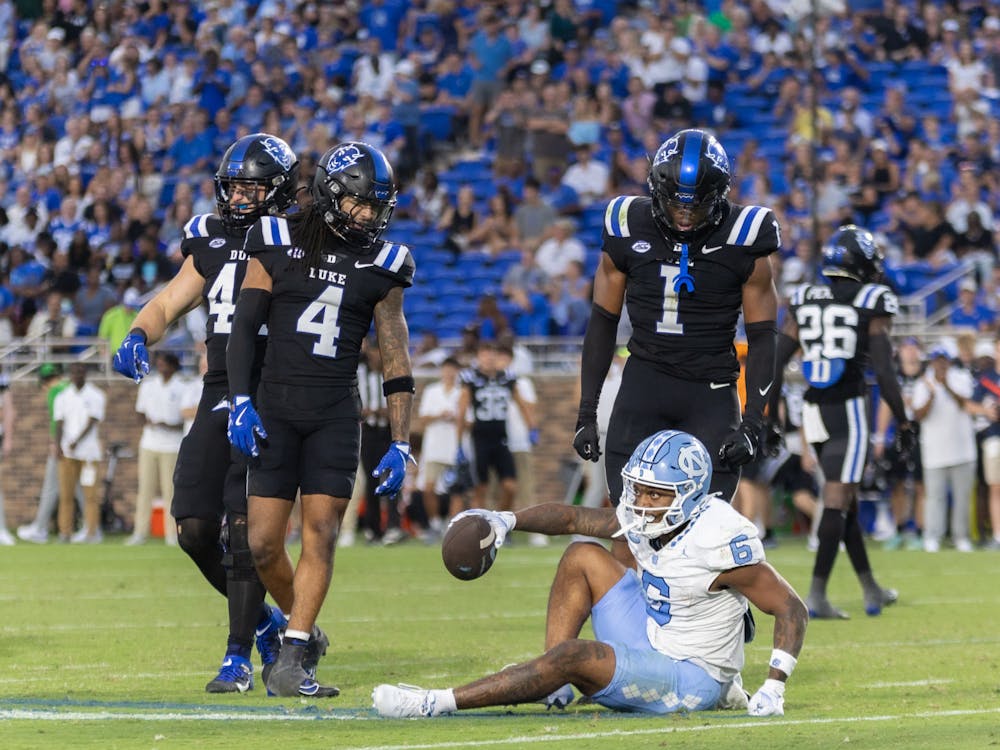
(22, 474)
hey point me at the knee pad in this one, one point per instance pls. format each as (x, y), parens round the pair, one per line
(237, 559)
(199, 537)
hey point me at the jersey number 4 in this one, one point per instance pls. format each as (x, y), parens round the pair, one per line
(220, 299)
(320, 319)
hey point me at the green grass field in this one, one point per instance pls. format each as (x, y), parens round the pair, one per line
(110, 647)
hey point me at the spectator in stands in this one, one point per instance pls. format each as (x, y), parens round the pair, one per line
(966, 74)
(637, 108)
(967, 198)
(508, 119)
(947, 449)
(428, 352)
(900, 38)
(587, 177)
(971, 313)
(560, 249)
(93, 300)
(532, 217)
(931, 237)
(490, 55)
(524, 285)
(569, 298)
(548, 126)
(672, 111)
(117, 321)
(460, 220)
(977, 244)
(490, 322)
(55, 320)
(496, 232)
(430, 199)
(881, 172)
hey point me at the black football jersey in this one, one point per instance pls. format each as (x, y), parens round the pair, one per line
(685, 325)
(219, 257)
(320, 316)
(490, 400)
(833, 333)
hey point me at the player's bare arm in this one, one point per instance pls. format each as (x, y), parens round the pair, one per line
(609, 286)
(760, 298)
(393, 343)
(773, 595)
(555, 519)
(256, 276)
(181, 295)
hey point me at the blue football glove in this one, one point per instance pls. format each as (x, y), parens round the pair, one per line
(132, 358)
(394, 462)
(245, 427)
(534, 436)
(460, 457)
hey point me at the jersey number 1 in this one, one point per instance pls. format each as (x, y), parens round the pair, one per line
(669, 323)
(320, 319)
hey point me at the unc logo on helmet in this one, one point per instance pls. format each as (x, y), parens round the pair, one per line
(673, 462)
(342, 158)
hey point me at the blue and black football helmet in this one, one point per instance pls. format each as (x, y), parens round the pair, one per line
(852, 253)
(689, 180)
(669, 460)
(359, 171)
(263, 161)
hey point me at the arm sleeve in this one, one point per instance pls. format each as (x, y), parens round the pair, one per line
(881, 352)
(251, 312)
(598, 350)
(761, 349)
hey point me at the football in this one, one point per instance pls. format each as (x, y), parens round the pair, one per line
(467, 548)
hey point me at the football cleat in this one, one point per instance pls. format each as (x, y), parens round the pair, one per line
(315, 649)
(821, 609)
(405, 702)
(235, 676)
(287, 679)
(879, 599)
(268, 635)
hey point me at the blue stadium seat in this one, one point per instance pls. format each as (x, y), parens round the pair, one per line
(437, 122)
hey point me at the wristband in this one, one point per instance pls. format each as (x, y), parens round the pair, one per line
(139, 332)
(403, 384)
(783, 661)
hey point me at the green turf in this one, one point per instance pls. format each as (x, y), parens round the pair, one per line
(111, 646)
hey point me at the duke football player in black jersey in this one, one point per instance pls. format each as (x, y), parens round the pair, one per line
(258, 176)
(686, 261)
(317, 279)
(837, 326)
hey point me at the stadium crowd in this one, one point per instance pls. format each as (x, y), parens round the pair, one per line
(511, 125)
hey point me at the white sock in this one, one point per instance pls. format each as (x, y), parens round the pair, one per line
(300, 634)
(444, 701)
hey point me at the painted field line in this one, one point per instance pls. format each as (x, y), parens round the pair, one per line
(47, 715)
(911, 683)
(725, 725)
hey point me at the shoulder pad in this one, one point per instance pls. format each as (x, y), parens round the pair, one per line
(616, 222)
(274, 230)
(878, 298)
(725, 539)
(198, 226)
(755, 226)
(397, 260)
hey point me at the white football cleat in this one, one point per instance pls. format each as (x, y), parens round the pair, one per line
(405, 702)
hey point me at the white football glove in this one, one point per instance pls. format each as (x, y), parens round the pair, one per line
(502, 522)
(769, 700)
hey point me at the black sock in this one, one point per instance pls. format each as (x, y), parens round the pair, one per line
(830, 533)
(244, 589)
(854, 541)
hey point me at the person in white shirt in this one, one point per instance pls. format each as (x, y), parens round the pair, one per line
(520, 440)
(437, 413)
(160, 400)
(560, 249)
(587, 177)
(77, 411)
(947, 448)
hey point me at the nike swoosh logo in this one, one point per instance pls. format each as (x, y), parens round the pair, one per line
(707, 250)
(222, 405)
(359, 264)
(239, 418)
(763, 391)
(717, 386)
(488, 541)
(227, 663)
(260, 631)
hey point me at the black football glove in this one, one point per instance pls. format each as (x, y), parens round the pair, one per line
(586, 441)
(773, 439)
(741, 445)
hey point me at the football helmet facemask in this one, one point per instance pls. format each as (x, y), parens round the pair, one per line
(852, 253)
(355, 190)
(264, 171)
(669, 460)
(688, 181)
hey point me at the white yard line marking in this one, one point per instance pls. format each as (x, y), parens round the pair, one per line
(912, 683)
